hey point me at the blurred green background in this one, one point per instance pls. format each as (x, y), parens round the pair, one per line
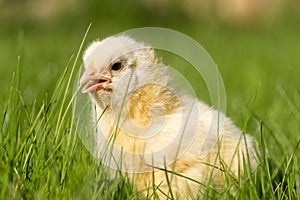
(256, 44)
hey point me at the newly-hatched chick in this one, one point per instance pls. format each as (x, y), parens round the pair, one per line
(130, 92)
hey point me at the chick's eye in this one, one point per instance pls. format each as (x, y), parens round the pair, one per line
(117, 66)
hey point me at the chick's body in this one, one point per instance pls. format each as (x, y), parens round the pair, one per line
(138, 112)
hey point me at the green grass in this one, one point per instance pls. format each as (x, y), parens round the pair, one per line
(42, 156)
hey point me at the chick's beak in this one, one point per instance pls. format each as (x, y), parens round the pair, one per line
(95, 82)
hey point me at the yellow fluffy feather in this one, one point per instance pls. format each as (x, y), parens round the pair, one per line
(149, 102)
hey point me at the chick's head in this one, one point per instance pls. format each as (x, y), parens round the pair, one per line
(116, 64)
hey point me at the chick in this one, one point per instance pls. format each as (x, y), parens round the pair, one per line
(157, 135)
